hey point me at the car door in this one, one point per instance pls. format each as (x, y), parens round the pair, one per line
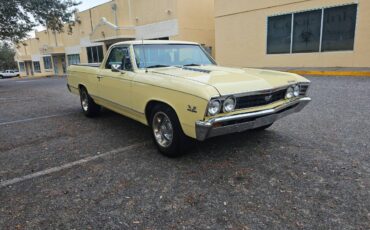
(114, 84)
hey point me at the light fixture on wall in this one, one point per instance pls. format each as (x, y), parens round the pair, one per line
(114, 6)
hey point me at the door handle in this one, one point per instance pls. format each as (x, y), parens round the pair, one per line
(99, 77)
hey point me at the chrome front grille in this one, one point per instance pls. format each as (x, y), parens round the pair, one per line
(260, 99)
(303, 90)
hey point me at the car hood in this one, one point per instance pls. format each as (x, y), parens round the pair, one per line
(229, 81)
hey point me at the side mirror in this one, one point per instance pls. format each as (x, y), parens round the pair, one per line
(115, 67)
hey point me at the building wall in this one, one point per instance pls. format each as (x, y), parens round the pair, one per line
(241, 34)
(120, 20)
(197, 22)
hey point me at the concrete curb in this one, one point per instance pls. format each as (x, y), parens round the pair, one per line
(38, 77)
(331, 73)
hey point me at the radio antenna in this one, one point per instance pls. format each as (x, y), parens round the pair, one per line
(142, 44)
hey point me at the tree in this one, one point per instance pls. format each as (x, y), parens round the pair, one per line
(19, 17)
(7, 54)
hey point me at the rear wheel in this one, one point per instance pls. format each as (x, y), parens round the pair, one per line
(167, 132)
(89, 107)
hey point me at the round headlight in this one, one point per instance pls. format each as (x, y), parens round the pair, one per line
(229, 104)
(289, 93)
(214, 107)
(296, 90)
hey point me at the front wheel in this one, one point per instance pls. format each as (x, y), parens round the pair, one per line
(167, 132)
(89, 107)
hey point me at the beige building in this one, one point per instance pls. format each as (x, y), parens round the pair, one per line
(118, 20)
(293, 33)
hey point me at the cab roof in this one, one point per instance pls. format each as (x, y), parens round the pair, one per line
(154, 42)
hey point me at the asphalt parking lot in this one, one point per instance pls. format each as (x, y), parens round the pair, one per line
(60, 170)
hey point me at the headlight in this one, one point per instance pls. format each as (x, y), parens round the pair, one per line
(229, 104)
(289, 93)
(214, 107)
(297, 90)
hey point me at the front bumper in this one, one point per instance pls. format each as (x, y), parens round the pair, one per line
(242, 122)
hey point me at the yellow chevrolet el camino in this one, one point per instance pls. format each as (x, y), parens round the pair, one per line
(178, 90)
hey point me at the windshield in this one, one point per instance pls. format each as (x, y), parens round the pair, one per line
(163, 55)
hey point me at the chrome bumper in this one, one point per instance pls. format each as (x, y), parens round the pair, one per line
(206, 129)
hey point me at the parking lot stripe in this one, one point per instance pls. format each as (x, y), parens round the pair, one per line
(33, 119)
(68, 165)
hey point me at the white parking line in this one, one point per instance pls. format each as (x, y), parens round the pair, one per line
(34, 118)
(68, 165)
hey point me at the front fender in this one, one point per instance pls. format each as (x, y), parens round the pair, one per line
(188, 108)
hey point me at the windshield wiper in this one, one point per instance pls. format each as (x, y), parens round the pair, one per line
(157, 66)
(192, 64)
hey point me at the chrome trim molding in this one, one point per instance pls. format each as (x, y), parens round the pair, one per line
(205, 129)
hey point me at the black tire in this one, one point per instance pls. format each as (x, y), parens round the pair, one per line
(263, 127)
(1, 77)
(88, 106)
(180, 142)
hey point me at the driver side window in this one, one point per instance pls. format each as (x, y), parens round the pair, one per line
(120, 57)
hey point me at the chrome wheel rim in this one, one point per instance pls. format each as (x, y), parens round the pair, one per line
(84, 101)
(162, 129)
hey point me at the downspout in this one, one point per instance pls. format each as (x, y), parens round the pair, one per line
(114, 8)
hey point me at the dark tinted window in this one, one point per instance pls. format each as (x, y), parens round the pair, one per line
(306, 32)
(36, 66)
(95, 54)
(279, 34)
(89, 55)
(100, 53)
(21, 67)
(339, 28)
(47, 63)
(73, 59)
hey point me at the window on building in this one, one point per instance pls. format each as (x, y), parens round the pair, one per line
(36, 66)
(22, 67)
(279, 34)
(95, 54)
(306, 31)
(331, 29)
(73, 59)
(339, 28)
(47, 62)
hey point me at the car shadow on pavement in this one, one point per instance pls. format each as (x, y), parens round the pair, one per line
(232, 145)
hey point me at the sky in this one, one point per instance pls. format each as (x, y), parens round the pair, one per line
(85, 4)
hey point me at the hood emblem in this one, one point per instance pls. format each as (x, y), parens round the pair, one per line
(268, 98)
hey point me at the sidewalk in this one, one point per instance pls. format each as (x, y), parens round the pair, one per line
(332, 71)
(37, 77)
